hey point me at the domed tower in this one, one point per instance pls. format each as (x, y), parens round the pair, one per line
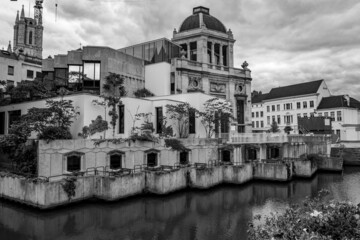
(205, 39)
(206, 64)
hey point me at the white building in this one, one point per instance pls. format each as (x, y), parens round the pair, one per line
(345, 114)
(284, 104)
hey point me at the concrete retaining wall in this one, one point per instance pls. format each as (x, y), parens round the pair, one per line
(331, 163)
(237, 174)
(304, 168)
(207, 177)
(164, 182)
(272, 171)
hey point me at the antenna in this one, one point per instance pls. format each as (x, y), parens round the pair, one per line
(56, 7)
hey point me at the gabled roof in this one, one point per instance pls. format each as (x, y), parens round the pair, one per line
(295, 90)
(259, 98)
(338, 102)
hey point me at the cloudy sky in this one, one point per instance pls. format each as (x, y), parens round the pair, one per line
(284, 41)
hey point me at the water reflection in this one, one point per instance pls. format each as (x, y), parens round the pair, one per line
(219, 213)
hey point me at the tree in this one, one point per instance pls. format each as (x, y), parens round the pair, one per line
(179, 114)
(113, 91)
(274, 127)
(215, 111)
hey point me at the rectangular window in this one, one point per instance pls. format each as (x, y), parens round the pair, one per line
(268, 120)
(278, 119)
(257, 114)
(121, 119)
(298, 105)
(257, 124)
(339, 117)
(73, 163)
(305, 104)
(75, 72)
(224, 121)
(30, 74)
(192, 122)
(115, 161)
(273, 108)
(332, 115)
(278, 107)
(326, 114)
(13, 117)
(253, 124)
(312, 114)
(273, 119)
(338, 133)
(11, 70)
(92, 74)
(2, 122)
(320, 114)
(253, 114)
(184, 158)
(288, 106)
(240, 115)
(268, 108)
(299, 115)
(159, 117)
(311, 104)
(261, 114)
(262, 124)
(305, 114)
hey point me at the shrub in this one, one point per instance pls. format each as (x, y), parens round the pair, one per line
(143, 92)
(314, 219)
(52, 133)
(175, 144)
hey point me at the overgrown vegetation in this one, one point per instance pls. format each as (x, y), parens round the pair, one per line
(216, 112)
(175, 144)
(96, 126)
(179, 114)
(69, 187)
(274, 128)
(315, 218)
(143, 92)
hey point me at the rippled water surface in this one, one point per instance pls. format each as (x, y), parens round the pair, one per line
(218, 213)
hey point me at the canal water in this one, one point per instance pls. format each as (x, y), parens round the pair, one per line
(220, 213)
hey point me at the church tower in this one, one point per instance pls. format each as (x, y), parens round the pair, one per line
(28, 33)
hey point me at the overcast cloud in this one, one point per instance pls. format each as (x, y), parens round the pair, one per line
(284, 41)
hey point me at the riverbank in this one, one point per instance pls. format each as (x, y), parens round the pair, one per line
(112, 186)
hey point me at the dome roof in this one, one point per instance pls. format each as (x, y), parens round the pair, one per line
(193, 21)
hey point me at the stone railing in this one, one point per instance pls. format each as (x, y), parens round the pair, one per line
(255, 138)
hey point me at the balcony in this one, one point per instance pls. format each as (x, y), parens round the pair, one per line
(182, 63)
(260, 138)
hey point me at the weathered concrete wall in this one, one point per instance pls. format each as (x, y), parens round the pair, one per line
(207, 177)
(237, 174)
(351, 155)
(331, 163)
(272, 171)
(164, 182)
(114, 188)
(304, 168)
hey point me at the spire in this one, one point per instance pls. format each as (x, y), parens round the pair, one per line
(17, 17)
(9, 47)
(22, 13)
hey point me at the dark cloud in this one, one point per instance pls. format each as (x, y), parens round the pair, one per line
(285, 41)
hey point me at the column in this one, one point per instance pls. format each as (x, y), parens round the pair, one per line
(212, 53)
(221, 55)
(188, 50)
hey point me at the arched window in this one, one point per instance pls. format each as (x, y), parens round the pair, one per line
(30, 37)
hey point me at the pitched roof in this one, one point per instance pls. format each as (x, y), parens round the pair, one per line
(294, 90)
(6, 54)
(258, 98)
(338, 102)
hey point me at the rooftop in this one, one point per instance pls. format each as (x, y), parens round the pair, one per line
(210, 22)
(338, 102)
